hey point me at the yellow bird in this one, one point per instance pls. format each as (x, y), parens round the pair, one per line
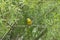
(29, 21)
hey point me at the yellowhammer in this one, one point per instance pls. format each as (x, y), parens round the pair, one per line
(29, 21)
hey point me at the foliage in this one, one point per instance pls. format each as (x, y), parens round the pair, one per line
(45, 16)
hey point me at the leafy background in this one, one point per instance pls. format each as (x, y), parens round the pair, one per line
(45, 16)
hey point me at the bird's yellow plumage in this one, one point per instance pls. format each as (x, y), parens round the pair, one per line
(29, 21)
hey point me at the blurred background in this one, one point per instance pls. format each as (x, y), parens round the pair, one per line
(44, 15)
